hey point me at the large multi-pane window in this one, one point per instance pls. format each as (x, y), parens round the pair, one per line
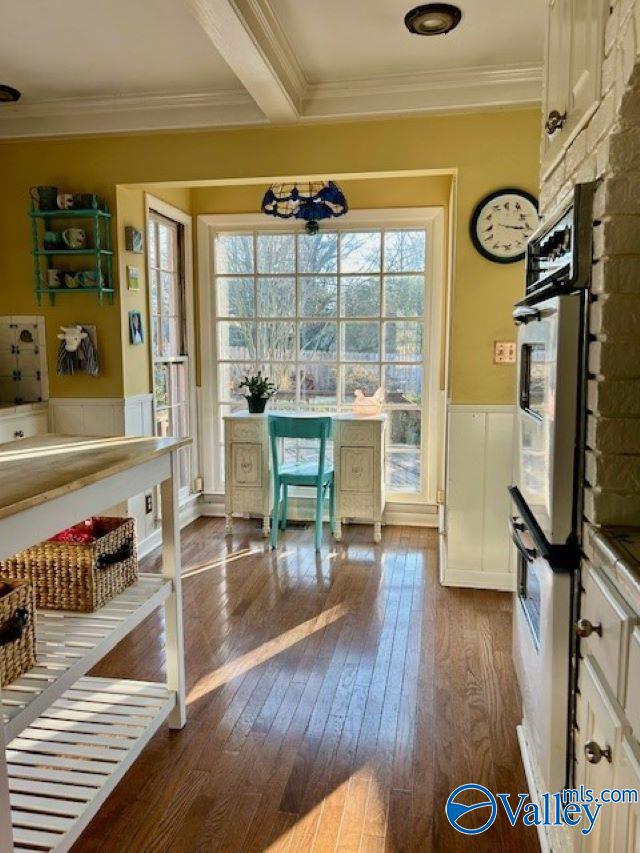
(324, 316)
(168, 335)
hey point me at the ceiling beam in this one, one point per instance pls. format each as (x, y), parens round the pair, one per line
(246, 50)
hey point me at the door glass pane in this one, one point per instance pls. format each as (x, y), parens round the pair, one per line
(284, 378)
(236, 297)
(276, 297)
(276, 341)
(360, 251)
(236, 340)
(361, 341)
(404, 429)
(318, 385)
(403, 341)
(404, 251)
(403, 471)
(403, 384)
(234, 253)
(403, 295)
(360, 296)
(229, 377)
(318, 295)
(276, 253)
(317, 253)
(317, 341)
(362, 377)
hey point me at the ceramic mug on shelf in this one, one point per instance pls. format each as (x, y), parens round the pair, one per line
(64, 201)
(71, 280)
(91, 279)
(52, 240)
(45, 198)
(75, 238)
(85, 201)
(55, 278)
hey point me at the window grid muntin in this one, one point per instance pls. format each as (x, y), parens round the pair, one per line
(222, 404)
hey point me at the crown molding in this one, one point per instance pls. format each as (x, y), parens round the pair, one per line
(129, 113)
(430, 92)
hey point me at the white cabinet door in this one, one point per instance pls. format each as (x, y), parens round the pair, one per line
(586, 39)
(556, 79)
(626, 816)
(573, 64)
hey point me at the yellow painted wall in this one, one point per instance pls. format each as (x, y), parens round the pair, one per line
(488, 150)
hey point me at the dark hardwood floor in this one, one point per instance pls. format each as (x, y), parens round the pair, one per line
(334, 702)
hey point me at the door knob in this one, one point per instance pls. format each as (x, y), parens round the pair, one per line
(584, 628)
(594, 753)
(555, 121)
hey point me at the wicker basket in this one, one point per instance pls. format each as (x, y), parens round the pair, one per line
(80, 577)
(17, 630)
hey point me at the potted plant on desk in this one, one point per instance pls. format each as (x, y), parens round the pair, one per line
(259, 391)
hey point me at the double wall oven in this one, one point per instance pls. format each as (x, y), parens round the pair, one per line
(548, 470)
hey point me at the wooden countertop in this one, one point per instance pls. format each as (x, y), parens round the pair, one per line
(36, 470)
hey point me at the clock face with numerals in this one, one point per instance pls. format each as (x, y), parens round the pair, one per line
(502, 224)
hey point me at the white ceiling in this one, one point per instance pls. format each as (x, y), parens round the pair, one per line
(73, 48)
(117, 65)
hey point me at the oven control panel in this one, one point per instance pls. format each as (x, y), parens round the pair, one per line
(559, 254)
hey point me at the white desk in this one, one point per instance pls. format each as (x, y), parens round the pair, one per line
(358, 453)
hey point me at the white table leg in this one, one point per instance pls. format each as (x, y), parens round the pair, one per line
(171, 568)
(377, 531)
(6, 831)
(228, 524)
(266, 526)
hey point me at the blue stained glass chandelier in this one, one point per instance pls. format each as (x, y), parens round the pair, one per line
(312, 202)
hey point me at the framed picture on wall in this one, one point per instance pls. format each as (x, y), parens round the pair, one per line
(136, 335)
(133, 278)
(133, 239)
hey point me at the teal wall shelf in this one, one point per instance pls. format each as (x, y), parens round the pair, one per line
(98, 228)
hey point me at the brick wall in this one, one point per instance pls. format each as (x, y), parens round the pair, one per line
(608, 150)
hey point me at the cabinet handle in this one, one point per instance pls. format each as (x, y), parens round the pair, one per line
(584, 628)
(19, 433)
(594, 753)
(555, 120)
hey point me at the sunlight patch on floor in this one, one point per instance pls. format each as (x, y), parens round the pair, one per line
(216, 564)
(263, 653)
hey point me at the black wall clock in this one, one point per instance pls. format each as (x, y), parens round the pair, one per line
(502, 224)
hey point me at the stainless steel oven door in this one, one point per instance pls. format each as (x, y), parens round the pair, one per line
(546, 423)
(541, 637)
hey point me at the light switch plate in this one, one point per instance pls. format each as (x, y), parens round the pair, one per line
(504, 352)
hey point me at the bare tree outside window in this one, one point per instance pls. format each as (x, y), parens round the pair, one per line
(323, 316)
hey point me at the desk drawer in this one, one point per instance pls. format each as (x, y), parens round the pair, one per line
(247, 430)
(612, 621)
(246, 464)
(356, 469)
(358, 434)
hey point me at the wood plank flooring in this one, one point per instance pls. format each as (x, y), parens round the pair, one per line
(334, 702)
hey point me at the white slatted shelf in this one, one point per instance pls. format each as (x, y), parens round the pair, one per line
(64, 766)
(69, 644)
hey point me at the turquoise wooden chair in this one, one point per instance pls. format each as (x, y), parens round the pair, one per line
(317, 474)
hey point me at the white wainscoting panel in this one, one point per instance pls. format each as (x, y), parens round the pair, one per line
(476, 549)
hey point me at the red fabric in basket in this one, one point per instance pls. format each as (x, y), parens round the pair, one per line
(87, 531)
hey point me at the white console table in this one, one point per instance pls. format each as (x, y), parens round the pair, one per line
(69, 738)
(359, 464)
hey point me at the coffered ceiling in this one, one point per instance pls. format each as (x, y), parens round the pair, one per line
(88, 66)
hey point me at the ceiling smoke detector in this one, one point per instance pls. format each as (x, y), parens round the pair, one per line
(9, 95)
(432, 19)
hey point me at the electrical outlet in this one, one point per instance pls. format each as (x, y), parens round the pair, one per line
(148, 504)
(504, 352)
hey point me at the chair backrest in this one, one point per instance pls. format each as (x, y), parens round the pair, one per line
(290, 426)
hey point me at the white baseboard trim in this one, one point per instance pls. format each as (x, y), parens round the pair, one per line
(189, 511)
(303, 509)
